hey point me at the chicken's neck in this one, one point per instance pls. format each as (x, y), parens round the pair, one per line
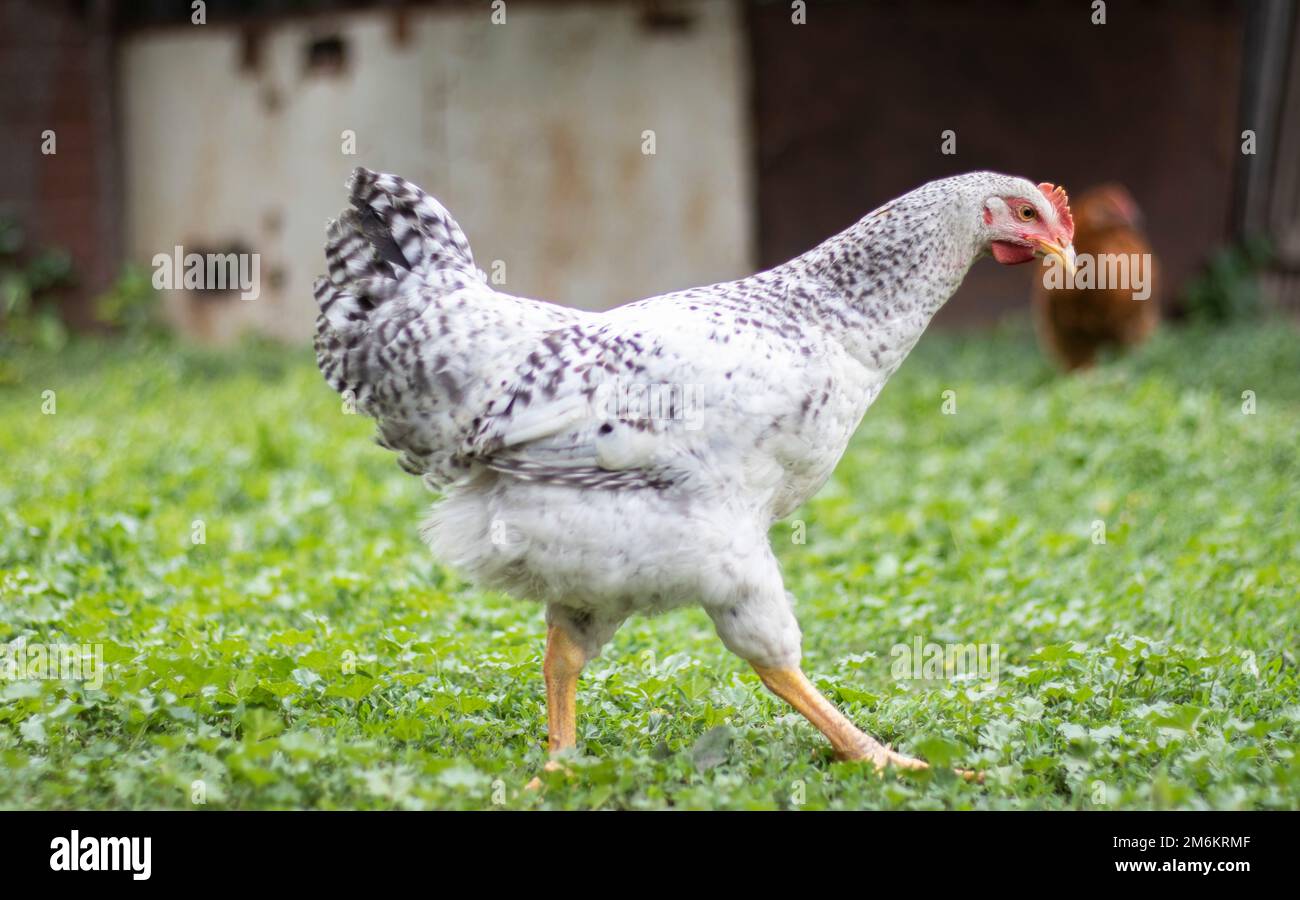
(876, 285)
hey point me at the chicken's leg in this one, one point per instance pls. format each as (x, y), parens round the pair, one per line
(560, 668)
(792, 686)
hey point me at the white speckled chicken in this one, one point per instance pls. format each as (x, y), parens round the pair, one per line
(630, 461)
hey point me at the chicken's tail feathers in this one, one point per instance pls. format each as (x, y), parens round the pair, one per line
(406, 226)
(393, 232)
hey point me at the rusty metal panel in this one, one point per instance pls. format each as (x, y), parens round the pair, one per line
(533, 134)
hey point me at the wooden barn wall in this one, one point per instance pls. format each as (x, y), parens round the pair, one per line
(848, 110)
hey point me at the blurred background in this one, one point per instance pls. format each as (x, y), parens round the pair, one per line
(178, 482)
(533, 122)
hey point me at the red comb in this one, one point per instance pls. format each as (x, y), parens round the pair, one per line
(1061, 203)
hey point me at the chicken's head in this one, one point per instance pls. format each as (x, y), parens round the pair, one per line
(1030, 223)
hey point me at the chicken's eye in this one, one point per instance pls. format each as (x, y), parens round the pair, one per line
(1027, 213)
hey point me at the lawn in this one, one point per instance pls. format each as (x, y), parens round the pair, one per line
(275, 634)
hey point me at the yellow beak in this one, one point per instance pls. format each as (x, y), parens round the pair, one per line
(1064, 254)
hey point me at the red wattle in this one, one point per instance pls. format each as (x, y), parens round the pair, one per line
(1010, 254)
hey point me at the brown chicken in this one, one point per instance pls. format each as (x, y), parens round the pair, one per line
(1111, 299)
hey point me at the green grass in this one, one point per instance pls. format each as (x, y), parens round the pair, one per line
(310, 653)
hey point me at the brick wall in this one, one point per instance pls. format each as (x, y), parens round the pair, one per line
(56, 68)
